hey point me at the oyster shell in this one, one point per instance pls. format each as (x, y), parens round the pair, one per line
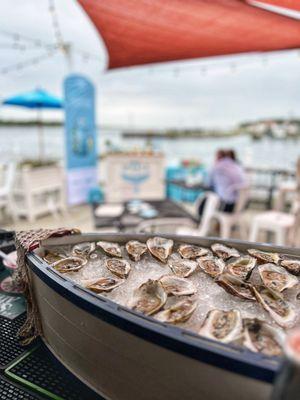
(69, 264)
(103, 284)
(190, 251)
(280, 310)
(276, 278)
(149, 297)
(224, 252)
(113, 249)
(262, 337)
(83, 249)
(212, 266)
(224, 326)
(235, 286)
(135, 249)
(51, 257)
(180, 311)
(183, 268)
(160, 247)
(264, 257)
(177, 286)
(292, 266)
(242, 267)
(117, 266)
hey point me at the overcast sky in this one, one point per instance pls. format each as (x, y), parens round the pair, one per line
(167, 95)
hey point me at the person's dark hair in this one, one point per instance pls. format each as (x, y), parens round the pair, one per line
(231, 154)
(220, 154)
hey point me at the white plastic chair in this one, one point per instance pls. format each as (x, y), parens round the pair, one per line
(279, 223)
(7, 186)
(228, 220)
(212, 202)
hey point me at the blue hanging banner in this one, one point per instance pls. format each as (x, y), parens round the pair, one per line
(81, 139)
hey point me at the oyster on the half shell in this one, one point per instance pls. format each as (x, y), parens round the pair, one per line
(224, 252)
(183, 268)
(180, 311)
(177, 286)
(235, 286)
(224, 326)
(103, 284)
(51, 257)
(149, 297)
(83, 249)
(191, 251)
(264, 257)
(276, 278)
(262, 337)
(212, 266)
(160, 248)
(282, 312)
(242, 267)
(118, 266)
(135, 249)
(112, 249)
(292, 266)
(69, 264)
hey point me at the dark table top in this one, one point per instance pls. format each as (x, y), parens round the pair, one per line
(182, 183)
(165, 209)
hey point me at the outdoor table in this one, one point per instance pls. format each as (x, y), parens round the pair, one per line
(268, 179)
(165, 209)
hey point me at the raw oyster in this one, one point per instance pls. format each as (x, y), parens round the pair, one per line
(117, 266)
(242, 267)
(103, 284)
(212, 266)
(149, 297)
(179, 311)
(183, 268)
(276, 278)
(52, 257)
(83, 249)
(280, 310)
(113, 249)
(264, 257)
(292, 266)
(69, 264)
(190, 251)
(224, 326)
(224, 252)
(235, 286)
(136, 249)
(262, 337)
(160, 247)
(177, 286)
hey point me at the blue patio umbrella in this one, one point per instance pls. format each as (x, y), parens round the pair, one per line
(36, 99)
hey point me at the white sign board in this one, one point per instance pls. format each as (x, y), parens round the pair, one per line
(134, 176)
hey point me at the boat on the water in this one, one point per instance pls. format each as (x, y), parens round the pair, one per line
(124, 355)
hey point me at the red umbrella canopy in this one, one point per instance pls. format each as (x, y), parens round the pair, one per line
(289, 4)
(147, 31)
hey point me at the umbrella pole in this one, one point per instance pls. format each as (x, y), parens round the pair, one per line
(40, 135)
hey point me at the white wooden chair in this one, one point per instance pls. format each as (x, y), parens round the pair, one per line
(228, 220)
(39, 191)
(8, 177)
(212, 202)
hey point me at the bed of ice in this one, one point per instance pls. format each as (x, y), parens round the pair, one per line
(209, 295)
